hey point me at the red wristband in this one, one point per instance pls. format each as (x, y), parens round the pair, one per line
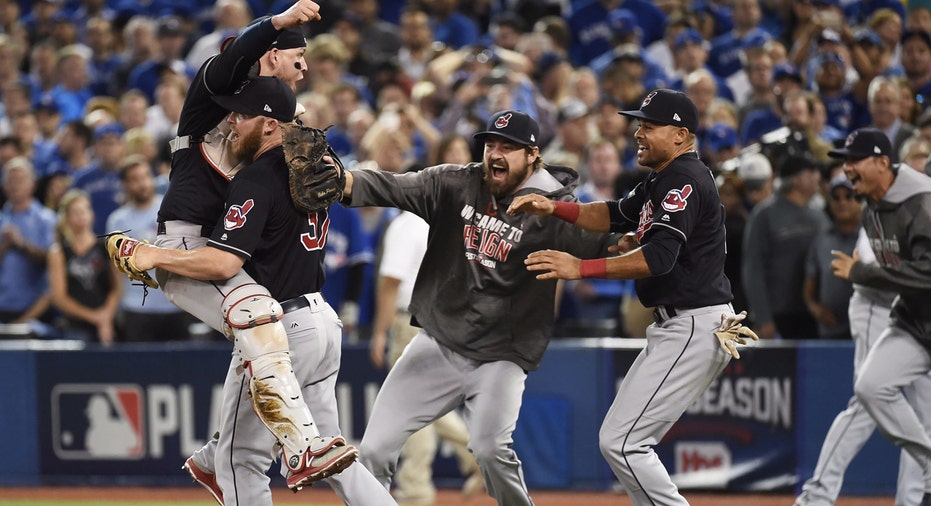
(568, 211)
(596, 268)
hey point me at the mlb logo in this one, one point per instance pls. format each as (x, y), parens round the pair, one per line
(97, 422)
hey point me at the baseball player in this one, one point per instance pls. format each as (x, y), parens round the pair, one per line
(203, 163)
(485, 322)
(869, 316)
(678, 265)
(897, 220)
(282, 248)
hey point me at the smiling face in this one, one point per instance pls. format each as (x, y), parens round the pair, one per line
(506, 164)
(656, 143)
(871, 176)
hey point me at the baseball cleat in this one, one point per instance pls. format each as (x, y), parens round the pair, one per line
(205, 479)
(324, 457)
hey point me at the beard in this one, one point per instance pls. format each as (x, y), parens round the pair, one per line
(502, 187)
(248, 144)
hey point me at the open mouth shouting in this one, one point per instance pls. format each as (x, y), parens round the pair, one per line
(498, 171)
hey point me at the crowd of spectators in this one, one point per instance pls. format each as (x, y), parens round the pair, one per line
(92, 90)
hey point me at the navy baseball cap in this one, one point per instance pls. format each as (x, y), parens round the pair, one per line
(512, 125)
(261, 96)
(921, 34)
(667, 107)
(863, 143)
(289, 38)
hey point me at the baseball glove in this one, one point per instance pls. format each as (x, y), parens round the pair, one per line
(731, 331)
(315, 184)
(122, 249)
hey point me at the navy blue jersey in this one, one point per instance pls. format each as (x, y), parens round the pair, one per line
(681, 201)
(284, 247)
(197, 190)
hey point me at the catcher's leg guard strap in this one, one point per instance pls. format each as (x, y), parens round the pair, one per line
(261, 340)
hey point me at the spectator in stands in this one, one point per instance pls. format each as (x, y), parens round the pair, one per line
(167, 60)
(756, 173)
(786, 81)
(72, 90)
(43, 73)
(884, 108)
(916, 62)
(777, 239)
(133, 108)
(450, 26)
(826, 295)
(417, 45)
(573, 135)
(379, 38)
(691, 54)
(229, 17)
(756, 49)
(591, 34)
(725, 53)
(27, 230)
(85, 284)
(139, 45)
(819, 121)
(916, 152)
(720, 145)
(506, 29)
(17, 99)
(798, 118)
(73, 140)
(598, 301)
(101, 179)
(842, 107)
(162, 117)
(143, 317)
(677, 21)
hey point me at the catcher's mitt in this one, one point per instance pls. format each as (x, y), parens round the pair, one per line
(122, 249)
(315, 184)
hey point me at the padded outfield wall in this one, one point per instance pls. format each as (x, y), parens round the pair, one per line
(131, 414)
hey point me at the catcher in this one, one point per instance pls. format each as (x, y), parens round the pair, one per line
(203, 163)
(280, 244)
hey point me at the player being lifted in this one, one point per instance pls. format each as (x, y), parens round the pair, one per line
(202, 166)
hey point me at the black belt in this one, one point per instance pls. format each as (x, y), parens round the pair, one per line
(294, 304)
(658, 313)
(205, 231)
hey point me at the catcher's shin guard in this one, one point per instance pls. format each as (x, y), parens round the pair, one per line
(253, 317)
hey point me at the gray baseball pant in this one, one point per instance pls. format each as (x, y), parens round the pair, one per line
(896, 361)
(682, 357)
(241, 460)
(428, 381)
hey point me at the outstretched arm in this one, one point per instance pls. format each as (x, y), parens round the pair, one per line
(206, 263)
(562, 265)
(593, 216)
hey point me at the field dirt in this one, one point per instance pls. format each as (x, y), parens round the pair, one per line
(445, 497)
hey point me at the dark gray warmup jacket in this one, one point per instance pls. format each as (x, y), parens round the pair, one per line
(899, 230)
(474, 293)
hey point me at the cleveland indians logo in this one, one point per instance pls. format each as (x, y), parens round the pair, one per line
(648, 99)
(236, 215)
(675, 200)
(503, 121)
(850, 139)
